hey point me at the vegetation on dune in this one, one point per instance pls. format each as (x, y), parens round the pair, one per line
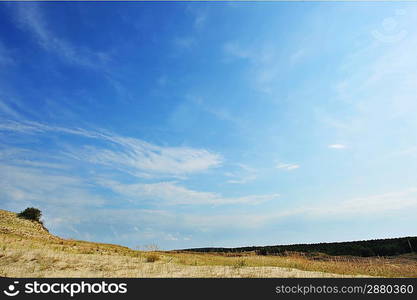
(27, 249)
(31, 213)
(152, 257)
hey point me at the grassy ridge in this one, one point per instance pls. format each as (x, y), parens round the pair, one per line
(379, 247)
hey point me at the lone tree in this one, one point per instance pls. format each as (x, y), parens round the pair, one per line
(31, 213)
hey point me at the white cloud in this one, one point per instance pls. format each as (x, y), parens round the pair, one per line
(171, 237)
(30, 18)
(244, 175)
(264, 61)
(131, 155)
(138, 158)
(288, 167)
(337, 146)
(200, 20)
(39, 164)
(6, 109)
(199, 14)
(242, 179)
(172, 193)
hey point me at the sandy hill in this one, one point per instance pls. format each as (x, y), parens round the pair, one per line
(23, 233)
(13, 226)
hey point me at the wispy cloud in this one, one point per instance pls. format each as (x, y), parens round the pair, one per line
(140, 158)
(30, 18)
(264, 64)
(288, 167)
(220, 113)
(244, 175)
(173, 194)
(7, 110)
(199, 15)
(38, 164)
(337, 146)
(265, 60)
(133, 155)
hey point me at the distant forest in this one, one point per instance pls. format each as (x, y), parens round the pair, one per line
(380, 247)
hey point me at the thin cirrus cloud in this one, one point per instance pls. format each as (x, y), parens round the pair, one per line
(337, 146)
(172, 193)
(287, 167)
(7, 110)
(30, 18)
(243, 175)
(132, 155)
(143, 159)
(264, 61)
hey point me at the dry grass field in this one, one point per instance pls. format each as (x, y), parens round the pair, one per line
(28, 250)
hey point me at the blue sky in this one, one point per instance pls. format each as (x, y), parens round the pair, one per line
(211, 124)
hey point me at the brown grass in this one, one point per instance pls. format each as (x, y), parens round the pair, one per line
(27, 250)
(152, 257)
(399, 266)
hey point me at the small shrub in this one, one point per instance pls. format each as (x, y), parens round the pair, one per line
(31, 213)
(153, 257)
